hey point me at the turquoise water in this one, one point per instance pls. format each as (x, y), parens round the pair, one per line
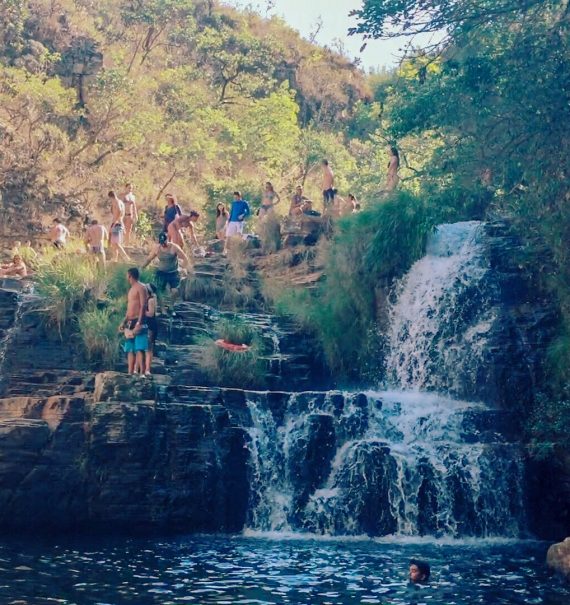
(257, 571)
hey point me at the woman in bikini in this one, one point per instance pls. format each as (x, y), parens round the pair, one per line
(269, 200)
(393, 179)
(131, 215)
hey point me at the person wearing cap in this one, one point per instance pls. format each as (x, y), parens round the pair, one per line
(167, 271)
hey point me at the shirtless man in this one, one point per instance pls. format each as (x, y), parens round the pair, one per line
(131, 214)
(134, 327)
(117, 227)
(17, 268)
(58, 234)
(181, 222)
(328, 186)
(95, 236)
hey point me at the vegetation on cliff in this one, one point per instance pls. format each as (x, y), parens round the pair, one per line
(187, 96)
(194, 97)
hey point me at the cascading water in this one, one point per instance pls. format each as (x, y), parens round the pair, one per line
(444, 309)
(405, 461)
(385, 463)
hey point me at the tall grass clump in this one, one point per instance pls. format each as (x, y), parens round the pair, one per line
(65, 283)
(367, 252)
(244, 369)
(98, 333)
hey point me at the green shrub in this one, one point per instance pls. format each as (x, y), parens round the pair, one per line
(99, 335)
(367, 251)
(549, 424)
(243, 369)
(144, 227)
(65, 284)
(237, 331)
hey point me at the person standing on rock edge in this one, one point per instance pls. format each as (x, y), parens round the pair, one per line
(171, 211)
(131, 214)
(117, 227)
(134, 326)
(393, 178)
(221, 221)
(95, 237)
(238, 213)
(152, 324)
(58, 234)
(328, 186)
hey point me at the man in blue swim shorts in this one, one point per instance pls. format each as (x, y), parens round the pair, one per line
(134, 325)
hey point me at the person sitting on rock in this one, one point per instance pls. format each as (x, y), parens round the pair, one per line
(167, 272)
(299, 203)
(419, 571)
(17, 268)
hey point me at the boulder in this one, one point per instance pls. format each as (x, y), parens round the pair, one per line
(558, 558)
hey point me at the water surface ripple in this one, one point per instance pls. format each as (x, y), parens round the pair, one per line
(259, 571)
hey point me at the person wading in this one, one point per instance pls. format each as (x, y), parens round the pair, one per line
(134, 326)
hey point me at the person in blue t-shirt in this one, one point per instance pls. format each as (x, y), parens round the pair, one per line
(238, 213)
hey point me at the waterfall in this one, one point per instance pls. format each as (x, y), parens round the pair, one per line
(443, 312)
(385, 463)
(426, 458)
(11, 309)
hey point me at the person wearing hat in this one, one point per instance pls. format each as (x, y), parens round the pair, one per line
(167, 272)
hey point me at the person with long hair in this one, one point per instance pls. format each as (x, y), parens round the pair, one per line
(269, 200)
(151, 321)
(221, 221)
(171, 211)
(393, 178)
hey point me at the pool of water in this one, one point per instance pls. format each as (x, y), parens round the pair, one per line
(263, 570)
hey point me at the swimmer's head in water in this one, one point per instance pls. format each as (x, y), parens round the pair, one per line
(419, 571)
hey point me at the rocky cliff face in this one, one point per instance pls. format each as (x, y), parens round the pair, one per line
(115, 454)
(83, 450)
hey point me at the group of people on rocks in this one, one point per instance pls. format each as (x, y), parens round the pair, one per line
(139, 326)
